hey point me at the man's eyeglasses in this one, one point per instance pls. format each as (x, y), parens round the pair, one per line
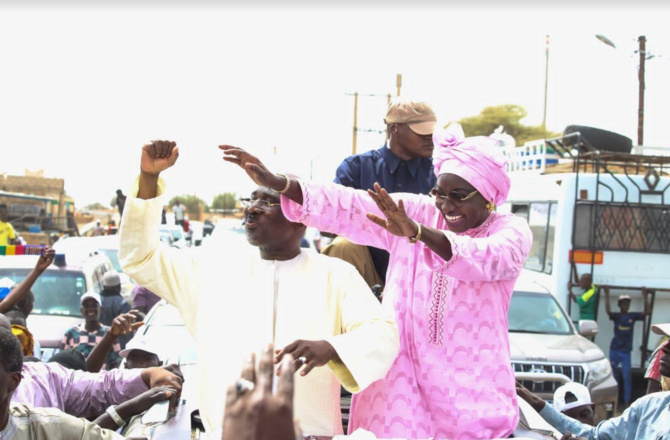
(259, 204)
(454, 197)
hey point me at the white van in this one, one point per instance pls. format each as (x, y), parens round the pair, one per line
(78, 249)
(597, 212)
(57, 293)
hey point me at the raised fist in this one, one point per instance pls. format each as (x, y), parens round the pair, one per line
(158, 156)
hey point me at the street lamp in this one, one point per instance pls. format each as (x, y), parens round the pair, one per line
(642, 40)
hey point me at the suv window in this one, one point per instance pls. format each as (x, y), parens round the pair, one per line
(57, 292)
(537, 313)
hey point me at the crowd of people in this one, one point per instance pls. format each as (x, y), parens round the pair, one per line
(430, 360)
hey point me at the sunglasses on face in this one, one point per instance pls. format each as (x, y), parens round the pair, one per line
(454, 197)
(258, 204)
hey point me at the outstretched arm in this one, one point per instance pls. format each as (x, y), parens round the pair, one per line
(122, 325)
(20, 291)
(172, 274)
(259, 173)
(572, 295)
(136, 405)
(327, 207)
(397, 222)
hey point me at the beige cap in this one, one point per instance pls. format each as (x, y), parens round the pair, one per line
(419, 116)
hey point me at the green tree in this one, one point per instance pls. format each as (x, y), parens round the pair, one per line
(96, 206)
(509, 116)
(224, 201)
(192, 203)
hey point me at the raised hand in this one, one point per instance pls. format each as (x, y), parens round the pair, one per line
(311, 354)
(45, 260)
(169, 376)
(147, 399)
(158, 156)
(533, 400)
(256, 413)
(123, 324)
(253, 167)
(396, 222)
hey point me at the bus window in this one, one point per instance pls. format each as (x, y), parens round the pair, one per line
(549, 261)
(620, 227)
(537, 220)
(520, 210)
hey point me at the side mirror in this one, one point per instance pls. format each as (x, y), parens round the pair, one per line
(588, 328)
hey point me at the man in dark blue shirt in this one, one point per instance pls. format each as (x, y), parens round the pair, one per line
(622, 342)
(403, 164)
(113, 303)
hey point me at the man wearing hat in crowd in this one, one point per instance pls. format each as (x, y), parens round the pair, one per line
(113, 303)
(403, 164)
(655, 380)
(647, 418)
(622, 342)
(574, 400)
(658, 381)
(141, 353)
(88, 334)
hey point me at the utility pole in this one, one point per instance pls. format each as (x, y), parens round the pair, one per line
(546, 83)
(398, 83)
(353, 147)
(640, 109)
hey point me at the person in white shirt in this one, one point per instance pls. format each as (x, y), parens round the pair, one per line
(178, 211)
(233, 300)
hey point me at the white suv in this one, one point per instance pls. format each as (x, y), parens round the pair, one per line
(544, 342)
(57, 293)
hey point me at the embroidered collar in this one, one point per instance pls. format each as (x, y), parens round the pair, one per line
(476, 231)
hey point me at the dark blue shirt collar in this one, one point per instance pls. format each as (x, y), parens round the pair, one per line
(393, 161)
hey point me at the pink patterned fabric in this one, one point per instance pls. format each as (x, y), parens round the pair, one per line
(453, 377)
(478, 160)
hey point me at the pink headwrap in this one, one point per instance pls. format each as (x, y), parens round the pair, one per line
(478, 160)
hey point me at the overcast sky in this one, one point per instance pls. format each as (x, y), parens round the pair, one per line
(82, 88)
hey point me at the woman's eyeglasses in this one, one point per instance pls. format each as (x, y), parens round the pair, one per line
(454, 197)
(259, 204)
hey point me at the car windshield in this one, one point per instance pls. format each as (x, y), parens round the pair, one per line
(56, 292)
(537, 313)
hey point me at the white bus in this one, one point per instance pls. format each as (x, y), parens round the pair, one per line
(597, 212)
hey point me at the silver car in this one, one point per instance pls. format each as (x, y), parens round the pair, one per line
(546, 346)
